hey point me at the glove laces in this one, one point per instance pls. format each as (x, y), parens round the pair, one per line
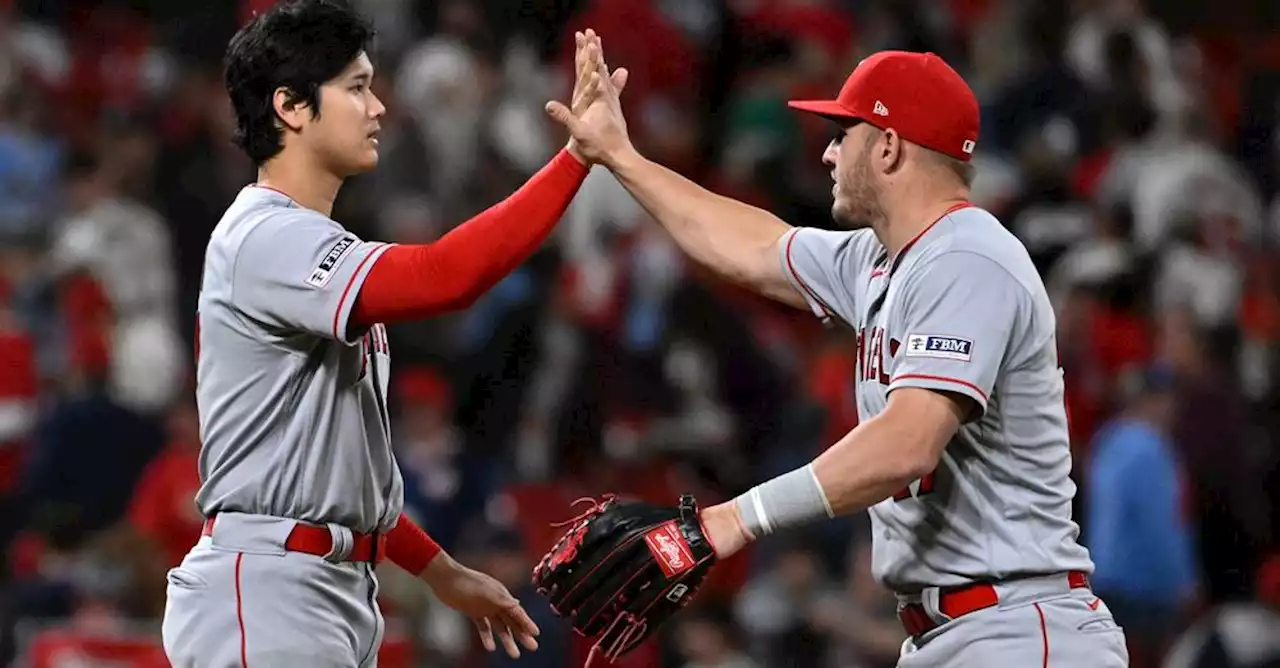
(633, 630)
(596, 507)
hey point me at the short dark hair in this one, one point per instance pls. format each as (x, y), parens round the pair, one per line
(298, 45)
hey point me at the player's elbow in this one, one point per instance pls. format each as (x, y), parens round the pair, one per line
(918, 462)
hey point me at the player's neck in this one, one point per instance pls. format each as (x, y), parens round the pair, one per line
(910, 218)
(303, 181)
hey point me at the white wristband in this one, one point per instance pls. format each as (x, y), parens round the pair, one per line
(791, 499)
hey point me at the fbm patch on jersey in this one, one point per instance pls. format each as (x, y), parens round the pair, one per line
(943, 347)
(324, 271)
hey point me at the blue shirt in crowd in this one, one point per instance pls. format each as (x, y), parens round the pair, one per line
(1139, 540)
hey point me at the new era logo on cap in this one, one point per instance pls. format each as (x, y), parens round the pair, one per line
(968, 146)
(880, 109)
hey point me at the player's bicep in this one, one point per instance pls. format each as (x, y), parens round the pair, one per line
(818, 269)
(303, 274)
(960, 314)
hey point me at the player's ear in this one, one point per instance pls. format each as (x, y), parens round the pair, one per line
(291, 109)
(890, 151)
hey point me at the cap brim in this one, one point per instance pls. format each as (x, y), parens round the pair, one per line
(829, 109)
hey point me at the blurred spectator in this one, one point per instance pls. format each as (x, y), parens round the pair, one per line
(163, 509)
(863, 619)
(1242, 634)
(447, 83)
(1088, 52)
(446, 486)
(776, 607)
(1211, 432)
(708, 639)
(124, 246)
(1137, 530)
(29, 161)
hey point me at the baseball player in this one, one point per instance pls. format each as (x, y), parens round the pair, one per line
(961, 454)
(298, 481)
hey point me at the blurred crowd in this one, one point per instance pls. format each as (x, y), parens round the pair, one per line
(1134, 149)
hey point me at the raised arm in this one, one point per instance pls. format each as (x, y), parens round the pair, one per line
(738, 241)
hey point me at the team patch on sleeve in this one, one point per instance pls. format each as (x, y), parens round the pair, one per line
(321, 274)
(942, 347)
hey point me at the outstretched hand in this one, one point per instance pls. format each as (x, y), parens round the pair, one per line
(492, 608)
(594, 116)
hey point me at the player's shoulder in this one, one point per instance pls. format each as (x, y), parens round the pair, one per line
(974, 236)
(258, 214)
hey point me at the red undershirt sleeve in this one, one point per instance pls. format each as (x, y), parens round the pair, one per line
(412, 282)
(410, 547)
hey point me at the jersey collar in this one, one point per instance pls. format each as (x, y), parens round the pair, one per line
(277, 191)
(897, 259)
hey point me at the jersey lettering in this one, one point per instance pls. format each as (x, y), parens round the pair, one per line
(871, 354)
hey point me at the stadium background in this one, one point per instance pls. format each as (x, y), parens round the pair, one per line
(1133, 149)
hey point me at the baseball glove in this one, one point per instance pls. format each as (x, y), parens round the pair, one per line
(623, 569)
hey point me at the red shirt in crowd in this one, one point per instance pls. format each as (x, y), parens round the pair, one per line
(164, 507)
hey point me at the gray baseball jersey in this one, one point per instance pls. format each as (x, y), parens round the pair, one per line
(293, 408)
(960, 309)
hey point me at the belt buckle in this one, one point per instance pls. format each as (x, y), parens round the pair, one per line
(342, 541)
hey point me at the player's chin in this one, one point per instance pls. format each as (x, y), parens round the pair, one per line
(366, 161)
(846, 219)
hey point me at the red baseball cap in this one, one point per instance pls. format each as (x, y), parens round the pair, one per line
(916, 94)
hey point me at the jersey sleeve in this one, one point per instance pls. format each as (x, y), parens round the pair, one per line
(302, 272)
(960, 313)
(823, 265)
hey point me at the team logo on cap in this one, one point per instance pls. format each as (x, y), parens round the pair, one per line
(880, 109)
(968, 146)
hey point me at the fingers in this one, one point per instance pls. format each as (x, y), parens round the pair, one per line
(509, 643)
(528, 641)
(519, 620)
(523, 627)
(486, 633)
(564, 116)
(589, 93)
(619, 78)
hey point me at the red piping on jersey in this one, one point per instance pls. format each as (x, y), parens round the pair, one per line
(957, 381)
(803, 287)
(897, 259)
(1044, 633)
(244, 654)
(337, 314)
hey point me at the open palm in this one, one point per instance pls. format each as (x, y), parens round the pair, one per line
(594, 117)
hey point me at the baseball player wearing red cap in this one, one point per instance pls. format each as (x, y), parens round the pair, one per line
(298, 480)
(961, 454)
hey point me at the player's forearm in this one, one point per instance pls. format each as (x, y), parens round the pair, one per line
(419, 281)
(876, 460)
(410, 547)
(736, 240)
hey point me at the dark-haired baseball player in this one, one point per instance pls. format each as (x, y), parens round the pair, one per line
(298, 481)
